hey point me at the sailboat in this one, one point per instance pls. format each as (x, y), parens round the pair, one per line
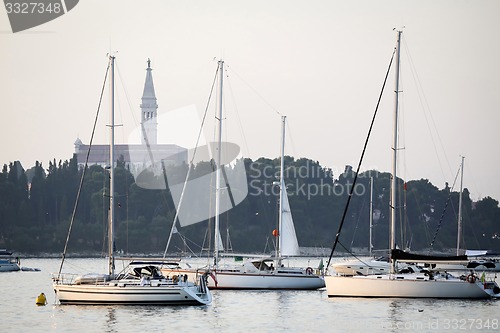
(423, 284)
(261, 273)
(271, 273)
(141, 282)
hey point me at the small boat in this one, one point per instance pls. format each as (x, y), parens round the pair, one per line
(141, 282)
(8, 263)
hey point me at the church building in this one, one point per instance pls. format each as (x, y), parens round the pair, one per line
(137, 156)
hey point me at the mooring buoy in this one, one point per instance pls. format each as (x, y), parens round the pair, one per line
(41, 299)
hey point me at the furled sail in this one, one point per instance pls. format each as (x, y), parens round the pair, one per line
(289, 243)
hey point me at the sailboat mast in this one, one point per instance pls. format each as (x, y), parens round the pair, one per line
(111, 170)
(459, 232)
(218, 170)
(282, 189)
(371, 216)
(392, 244)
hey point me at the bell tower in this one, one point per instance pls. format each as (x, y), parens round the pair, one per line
(149, 107)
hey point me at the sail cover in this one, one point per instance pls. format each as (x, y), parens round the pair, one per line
(411, 257)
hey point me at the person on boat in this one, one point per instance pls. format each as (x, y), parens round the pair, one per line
(271, 267)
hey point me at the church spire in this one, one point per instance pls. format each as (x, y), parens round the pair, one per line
(149, 109)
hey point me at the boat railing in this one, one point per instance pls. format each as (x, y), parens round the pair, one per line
(71, 278)
(63, 278)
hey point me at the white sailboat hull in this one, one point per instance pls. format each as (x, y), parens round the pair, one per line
(237, 279)
(229, 280)
(401, 286)
(121, 293)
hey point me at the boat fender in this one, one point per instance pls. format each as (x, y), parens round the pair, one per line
(471, 278)
(212, 275)
(41, 299)
(309, 271)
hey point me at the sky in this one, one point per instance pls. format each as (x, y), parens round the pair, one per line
(319, 62)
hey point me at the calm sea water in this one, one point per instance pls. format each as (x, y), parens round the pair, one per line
(232, 311)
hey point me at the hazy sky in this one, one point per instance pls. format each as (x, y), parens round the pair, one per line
(320, 62)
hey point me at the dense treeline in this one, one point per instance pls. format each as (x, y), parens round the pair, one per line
(36, 206)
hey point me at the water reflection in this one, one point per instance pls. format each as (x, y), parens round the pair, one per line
(420, 314)
(111, 320)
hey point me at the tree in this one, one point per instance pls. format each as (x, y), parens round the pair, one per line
(485, 218)
(37, 194)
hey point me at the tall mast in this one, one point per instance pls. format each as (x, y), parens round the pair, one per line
(282, 188)
(392, 244)
(371, 215)
(111, 170)
(217, 172)
(459, 232)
